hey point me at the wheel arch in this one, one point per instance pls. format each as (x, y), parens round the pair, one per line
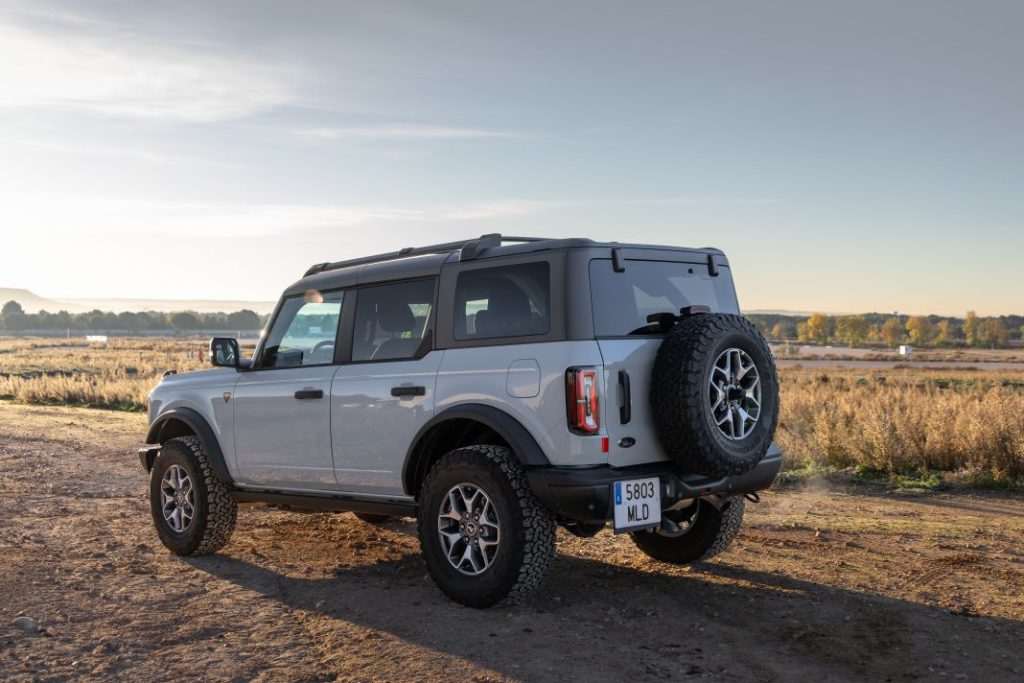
(466, 425)
(183, 421)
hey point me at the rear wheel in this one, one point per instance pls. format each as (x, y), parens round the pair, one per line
(485, 536)
(704, 531)
(192, 509)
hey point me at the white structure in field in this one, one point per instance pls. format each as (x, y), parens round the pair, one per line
(96, 338)
(906, 350)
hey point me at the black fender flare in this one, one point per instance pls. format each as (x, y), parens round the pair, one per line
(201, 428)
(525, 447)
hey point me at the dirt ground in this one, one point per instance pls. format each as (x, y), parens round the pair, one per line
(820, 585)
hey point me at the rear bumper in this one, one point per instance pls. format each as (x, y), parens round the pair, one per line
(583, 494)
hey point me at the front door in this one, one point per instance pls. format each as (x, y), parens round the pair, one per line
(283, 406)
(383, 397)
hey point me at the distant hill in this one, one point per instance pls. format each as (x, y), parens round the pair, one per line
(33, 304)
(168, 305)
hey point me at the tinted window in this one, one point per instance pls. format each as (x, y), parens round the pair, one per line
(622, 301)
(304, 331)
(511, 301)
(392, 320)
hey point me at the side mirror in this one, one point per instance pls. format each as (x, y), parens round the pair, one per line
(224, 353)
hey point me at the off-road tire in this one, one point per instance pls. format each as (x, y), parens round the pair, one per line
(527, 545)
(679, 399)
(712, 532)
(371, 518)
(215, 508)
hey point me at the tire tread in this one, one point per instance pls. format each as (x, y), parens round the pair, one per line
(221, 507)
(677, 391)
(538, 524)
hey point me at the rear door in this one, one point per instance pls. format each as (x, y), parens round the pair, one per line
(283, 406)
(382, 398)
(622, 302)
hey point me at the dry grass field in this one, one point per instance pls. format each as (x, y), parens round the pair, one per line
(919, 427)
(118, 374)
(904, 423)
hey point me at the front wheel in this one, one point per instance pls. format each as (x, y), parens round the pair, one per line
(704, 531)
(485, 536)
(192, 509)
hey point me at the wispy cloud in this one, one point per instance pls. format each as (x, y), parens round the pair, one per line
(114, 152)
(61, 63)
(112, 216)
(401, 131)
(116, 216)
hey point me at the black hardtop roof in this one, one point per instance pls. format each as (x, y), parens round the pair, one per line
(413, 262)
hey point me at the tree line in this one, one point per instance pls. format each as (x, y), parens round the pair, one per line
(14, 318)
(893, 330)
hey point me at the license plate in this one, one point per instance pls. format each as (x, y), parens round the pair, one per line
(637, 504)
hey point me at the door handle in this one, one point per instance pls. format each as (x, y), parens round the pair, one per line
(309, 393)
(408, 391)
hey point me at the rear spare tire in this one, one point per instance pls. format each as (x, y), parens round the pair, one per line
(715, 394)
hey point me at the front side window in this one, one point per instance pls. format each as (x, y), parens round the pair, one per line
(304, 332)
(392, 320)
(509, 301)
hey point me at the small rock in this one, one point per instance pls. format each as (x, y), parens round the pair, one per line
(26, 624)
(98, 553)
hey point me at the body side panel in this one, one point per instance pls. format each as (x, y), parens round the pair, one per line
(481, 376)
(203, 392)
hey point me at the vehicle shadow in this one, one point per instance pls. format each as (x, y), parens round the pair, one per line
(595, 620)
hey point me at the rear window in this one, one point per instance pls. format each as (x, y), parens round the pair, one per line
(510, 301)
(622, 301)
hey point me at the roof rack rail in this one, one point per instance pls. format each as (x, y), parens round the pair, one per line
(470, 249)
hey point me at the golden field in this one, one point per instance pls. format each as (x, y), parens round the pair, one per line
(894, 423)
(903, 421)
(118, 374)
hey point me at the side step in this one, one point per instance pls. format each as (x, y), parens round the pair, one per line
(313, 503)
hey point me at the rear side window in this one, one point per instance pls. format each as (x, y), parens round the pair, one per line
(622, 301)
(510, 301)
(392, 320)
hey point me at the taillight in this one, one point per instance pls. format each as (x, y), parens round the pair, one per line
(582, 400)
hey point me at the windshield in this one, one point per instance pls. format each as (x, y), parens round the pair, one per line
(623, 301)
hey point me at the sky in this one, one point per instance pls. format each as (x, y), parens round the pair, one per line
(847, 157)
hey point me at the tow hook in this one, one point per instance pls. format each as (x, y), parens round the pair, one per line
(752, 497)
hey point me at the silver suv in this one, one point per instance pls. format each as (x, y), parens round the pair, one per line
(494, 389)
